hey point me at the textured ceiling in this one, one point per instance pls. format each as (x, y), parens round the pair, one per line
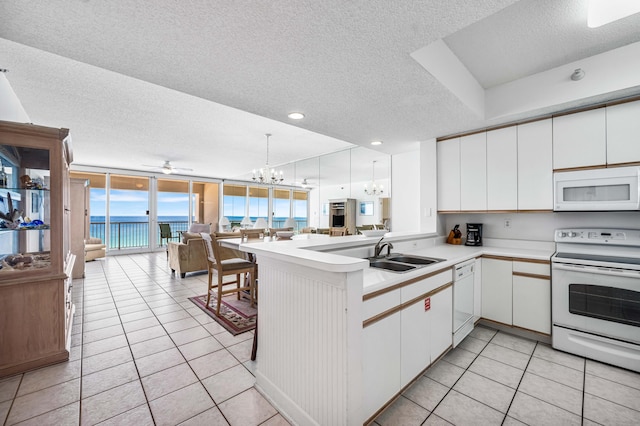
(200, 82)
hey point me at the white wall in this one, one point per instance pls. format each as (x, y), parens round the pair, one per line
(405, 190)
(540, 226)
(428, 186)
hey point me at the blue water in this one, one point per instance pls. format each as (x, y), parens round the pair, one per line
(133, 231)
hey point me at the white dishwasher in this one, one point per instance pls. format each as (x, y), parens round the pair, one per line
(463, 300)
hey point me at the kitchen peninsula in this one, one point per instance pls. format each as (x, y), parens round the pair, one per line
(338, 339)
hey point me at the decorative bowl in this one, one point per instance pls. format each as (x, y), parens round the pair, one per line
(284, 234)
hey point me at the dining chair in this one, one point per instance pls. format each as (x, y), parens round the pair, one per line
(167, 235)
(337, 232)
(225, 267)
(308, 230)
(273, 231)
(252, 234)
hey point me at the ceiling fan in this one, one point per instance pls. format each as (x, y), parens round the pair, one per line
(304, 184)
(167, 168)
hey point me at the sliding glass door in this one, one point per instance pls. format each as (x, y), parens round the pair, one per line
(128, 212)
(172, 210)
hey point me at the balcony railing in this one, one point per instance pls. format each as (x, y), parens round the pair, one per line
(131, 234)
(136, 234)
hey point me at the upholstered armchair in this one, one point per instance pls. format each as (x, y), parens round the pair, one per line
(94, 249)
(189, 255)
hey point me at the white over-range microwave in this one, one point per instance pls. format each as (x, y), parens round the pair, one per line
(611, 189)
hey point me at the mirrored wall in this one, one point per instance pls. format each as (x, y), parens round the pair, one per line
(345, 174)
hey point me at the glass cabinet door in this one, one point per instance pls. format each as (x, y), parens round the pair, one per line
(25, 202)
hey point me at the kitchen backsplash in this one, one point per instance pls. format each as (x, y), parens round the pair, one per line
(538, 226)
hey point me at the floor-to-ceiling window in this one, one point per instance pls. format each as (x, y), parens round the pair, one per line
(234, 203)
(97, 203)
(128, 212)
(258, 203)
(173, 205)
(301, 208)
(281, 207)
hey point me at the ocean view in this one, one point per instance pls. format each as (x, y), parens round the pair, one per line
(133, 231)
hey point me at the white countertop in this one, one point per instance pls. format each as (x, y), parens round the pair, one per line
(314, 251)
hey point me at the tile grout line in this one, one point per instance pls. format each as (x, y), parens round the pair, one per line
(457, 380)
(129, 347)
(13, 400)
(519, 383)
(177, 347)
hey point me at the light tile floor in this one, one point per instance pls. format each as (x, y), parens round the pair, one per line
(494, 378)
(143, 354)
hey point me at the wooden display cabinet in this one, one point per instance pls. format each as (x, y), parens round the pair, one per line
(36, 308)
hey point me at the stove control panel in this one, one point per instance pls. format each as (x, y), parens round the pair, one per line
(598, 236)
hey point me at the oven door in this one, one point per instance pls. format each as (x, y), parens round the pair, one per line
(602, 301)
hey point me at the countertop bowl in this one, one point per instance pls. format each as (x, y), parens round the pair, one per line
(284, 234)
(373, 232)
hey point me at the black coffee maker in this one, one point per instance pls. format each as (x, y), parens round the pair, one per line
(474, 234)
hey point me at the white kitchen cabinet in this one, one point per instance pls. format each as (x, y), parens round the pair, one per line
(502, 169)
(441, 322)
(535, 165)
(416, 341)
(381, 362)
(579, 140)
(497, 290)
(623, 128)
(424, 328)
(448, 153)
(473, 172)
(532, 296)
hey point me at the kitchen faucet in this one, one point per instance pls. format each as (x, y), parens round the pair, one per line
(379, 247)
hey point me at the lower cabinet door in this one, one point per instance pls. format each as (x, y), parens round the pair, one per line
(416, 349)
(441, 322)
(497, 290)
(532, 303)
(381, 362)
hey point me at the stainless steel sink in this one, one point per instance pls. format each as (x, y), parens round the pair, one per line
(398, 262)
(391, 266)
(413, 260)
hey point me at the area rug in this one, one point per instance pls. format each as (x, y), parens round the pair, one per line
(236, 316)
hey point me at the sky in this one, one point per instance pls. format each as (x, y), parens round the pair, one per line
(136, 203)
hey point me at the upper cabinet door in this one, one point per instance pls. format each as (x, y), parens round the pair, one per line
(535, 166)
(473, 172)
(502, 169)
(579, 140)
(623, 133)
(449, 175)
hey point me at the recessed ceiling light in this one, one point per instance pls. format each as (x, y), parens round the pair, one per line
(296, 116)
(376, 143)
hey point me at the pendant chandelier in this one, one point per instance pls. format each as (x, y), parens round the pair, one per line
(375, 189)
(267, 174)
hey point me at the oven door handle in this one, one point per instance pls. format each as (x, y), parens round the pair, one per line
(596, 270)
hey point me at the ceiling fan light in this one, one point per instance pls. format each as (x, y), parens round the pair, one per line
(578, 74)
(166, 170)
